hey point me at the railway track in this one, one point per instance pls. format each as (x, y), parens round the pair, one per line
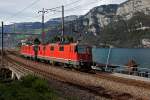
(108, 76)
(82, 80)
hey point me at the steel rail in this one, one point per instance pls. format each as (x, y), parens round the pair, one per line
(44, 73)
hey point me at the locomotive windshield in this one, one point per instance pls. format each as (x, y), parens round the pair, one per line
(83, 49)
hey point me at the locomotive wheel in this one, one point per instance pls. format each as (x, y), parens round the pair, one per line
(67, 66)
(53, 63)
(77, 67)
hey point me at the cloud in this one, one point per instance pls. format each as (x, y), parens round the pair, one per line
(10, 7)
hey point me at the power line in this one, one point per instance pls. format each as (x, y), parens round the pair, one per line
(27, 7)
(52, 9)
(72, 3)
(34, 2)
(69, 4)
(79, 6)
(76, 7)
(85, 4)
(55, 9)
(70, 9)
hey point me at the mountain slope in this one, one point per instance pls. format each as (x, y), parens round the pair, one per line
(124, 25)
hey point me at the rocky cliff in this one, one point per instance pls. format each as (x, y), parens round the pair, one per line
(101, 16)
(130, 7)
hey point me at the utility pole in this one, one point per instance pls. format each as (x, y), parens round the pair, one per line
(62, 34)
(2, 45)
(62, 26)
(43, 11)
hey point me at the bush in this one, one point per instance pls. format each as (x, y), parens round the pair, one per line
(28, 81)
(40, 85)
(29, 88)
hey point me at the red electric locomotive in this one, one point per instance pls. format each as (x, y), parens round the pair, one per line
(71, 54)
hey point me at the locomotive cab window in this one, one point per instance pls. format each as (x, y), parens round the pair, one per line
(61, 48)
(81, 49)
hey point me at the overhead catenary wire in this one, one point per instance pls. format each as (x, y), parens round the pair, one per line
(34, 2)
(80, 6)
(55, 9)
(69, 4)
(27, 7)
(71, 9)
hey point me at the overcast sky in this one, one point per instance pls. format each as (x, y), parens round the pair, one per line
(9, 8)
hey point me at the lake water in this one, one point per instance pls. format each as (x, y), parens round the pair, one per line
(121, 56)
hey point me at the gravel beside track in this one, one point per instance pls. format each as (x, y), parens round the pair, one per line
(65, 90)
(101, 84)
